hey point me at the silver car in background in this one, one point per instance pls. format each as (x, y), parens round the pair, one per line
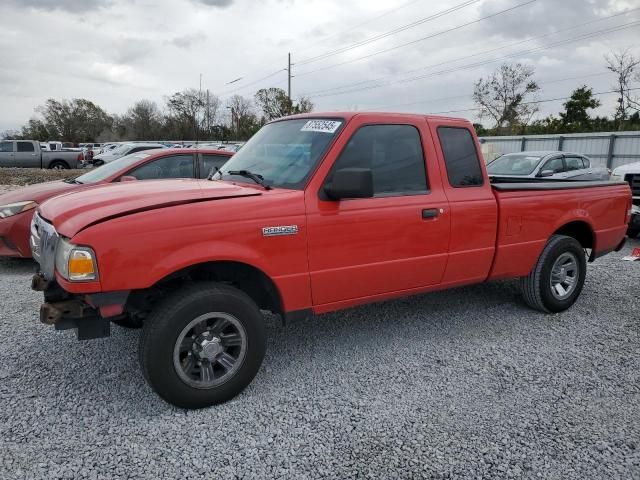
(552, 165)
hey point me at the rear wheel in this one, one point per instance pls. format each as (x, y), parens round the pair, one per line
(202, 345)
(58, 165)
(557, 279)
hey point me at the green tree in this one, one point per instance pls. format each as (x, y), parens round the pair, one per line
(75, 120)
(575, 117)
(274, 103)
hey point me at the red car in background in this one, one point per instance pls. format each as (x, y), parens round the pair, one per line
(17, 206)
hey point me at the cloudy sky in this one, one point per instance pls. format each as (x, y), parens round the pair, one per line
(395, 55)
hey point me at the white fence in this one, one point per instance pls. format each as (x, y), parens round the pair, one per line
(610, 149)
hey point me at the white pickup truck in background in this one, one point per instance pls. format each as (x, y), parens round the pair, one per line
(28, 154)
(630, 173)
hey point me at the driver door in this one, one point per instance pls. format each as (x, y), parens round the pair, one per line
(394, 242)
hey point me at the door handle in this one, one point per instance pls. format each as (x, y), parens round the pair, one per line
(430, 213)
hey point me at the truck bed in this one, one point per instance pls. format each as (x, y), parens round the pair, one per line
(530, 212)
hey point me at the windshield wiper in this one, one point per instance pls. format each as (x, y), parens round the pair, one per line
(256, 177)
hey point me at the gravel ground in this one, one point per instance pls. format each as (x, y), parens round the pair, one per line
(27, 176)
(467, 383)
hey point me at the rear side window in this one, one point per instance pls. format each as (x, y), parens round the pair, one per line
(6, 147)
(394, 155)
(211, 161)
(574, 163)
(174, 166)
(25, 147)
(460, 157)
(555, 165)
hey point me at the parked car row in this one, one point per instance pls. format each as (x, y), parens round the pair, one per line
(17, 207)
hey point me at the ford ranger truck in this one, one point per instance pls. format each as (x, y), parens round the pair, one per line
(316, 213)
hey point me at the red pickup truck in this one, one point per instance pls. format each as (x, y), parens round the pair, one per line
(315, 213)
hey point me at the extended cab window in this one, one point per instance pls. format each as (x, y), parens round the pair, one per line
(460, 157)
(6, 147)
(25, 147)
(211, 161)
(174, 166)
(393, 153)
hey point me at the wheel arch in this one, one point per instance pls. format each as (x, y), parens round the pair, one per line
(244, 276)
(580, 230)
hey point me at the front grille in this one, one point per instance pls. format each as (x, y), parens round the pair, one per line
(43, 245)
(634, 183)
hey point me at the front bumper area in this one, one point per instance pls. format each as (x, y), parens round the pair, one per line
(89, 314)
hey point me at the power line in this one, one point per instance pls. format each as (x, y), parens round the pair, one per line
(530, 102)
(353, 27)
(537, 37)
(395, 31)
(430, 100)
(383, 14)
(273, 74)
(413, 42)
(485, 62)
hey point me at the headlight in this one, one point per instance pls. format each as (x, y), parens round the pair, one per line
(15, 208)
(75, 263)
(617, 176)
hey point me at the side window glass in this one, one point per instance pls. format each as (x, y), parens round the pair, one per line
(394, 155)
(555, 165)
(210, 161)
(175, 166)
(25, 147)
(573, 163)
(460, 157)
(6, 147)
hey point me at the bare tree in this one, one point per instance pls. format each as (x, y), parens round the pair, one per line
(503, 96)
(624, 65)
(243, 118)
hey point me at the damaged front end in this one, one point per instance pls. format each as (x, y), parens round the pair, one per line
(91, 314)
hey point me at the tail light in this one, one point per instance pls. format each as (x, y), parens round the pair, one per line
(80, 157)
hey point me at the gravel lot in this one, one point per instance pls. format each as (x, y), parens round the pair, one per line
(461, 384)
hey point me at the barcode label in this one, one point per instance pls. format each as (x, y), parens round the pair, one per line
(324, 126)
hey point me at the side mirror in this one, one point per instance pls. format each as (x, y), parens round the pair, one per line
(128, 178)
(350, 183)
(546, 173)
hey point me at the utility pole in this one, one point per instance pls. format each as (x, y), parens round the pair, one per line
(289, 76)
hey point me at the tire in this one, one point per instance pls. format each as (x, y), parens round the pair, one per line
(58, 165)
(632, 233)
(538, 291)
(169, 352)
(98, 163)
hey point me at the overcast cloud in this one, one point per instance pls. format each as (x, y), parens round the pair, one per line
(115, 52)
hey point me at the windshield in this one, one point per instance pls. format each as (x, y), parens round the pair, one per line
(108, 169)
(514, 164)
(284, 153)
(122, 149)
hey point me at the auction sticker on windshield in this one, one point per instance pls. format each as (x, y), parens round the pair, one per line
(324, 126)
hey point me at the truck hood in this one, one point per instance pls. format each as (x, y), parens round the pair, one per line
(37, 193)
(75, 211)
(629, 168)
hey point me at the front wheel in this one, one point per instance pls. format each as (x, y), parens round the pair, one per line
(556, 280)
(202, 345)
